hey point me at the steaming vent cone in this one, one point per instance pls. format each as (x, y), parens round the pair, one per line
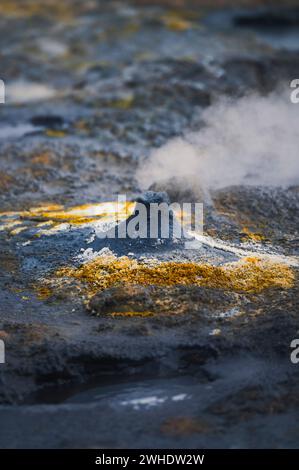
(181, 189)
(161, 226)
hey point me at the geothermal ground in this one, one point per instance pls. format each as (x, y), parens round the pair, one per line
(122, 343)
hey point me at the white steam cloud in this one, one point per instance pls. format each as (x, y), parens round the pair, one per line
(253, 140)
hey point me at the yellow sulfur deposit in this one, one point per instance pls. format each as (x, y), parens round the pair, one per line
(133, 314)
(175, 21)
(43, 292)
(28, 8)
(250, 275)
(54, 217)
(253, 236)
(55, 133)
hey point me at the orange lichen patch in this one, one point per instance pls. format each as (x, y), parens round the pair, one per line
(176, 21)
(44, 158)
(253, 236)
(43, 292)
(133, 314)
(28, 8)
(54, 217)
(247, 275)
(184, 426)
(55, 133)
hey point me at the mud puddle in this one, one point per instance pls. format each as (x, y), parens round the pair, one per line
(141, 393)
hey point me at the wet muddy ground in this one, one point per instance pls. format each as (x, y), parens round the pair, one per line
(121, 343)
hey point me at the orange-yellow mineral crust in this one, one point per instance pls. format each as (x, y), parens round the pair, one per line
(251, 275)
